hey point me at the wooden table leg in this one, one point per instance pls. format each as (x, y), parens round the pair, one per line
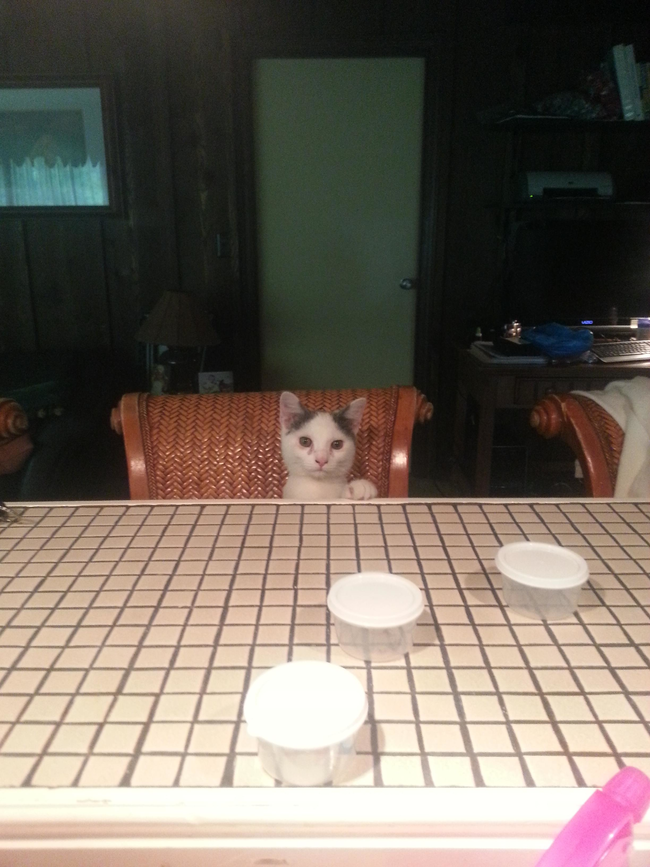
(487, 405)
(460, 422)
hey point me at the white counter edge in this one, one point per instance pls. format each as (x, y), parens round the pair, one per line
(293, 813)
(383, 501)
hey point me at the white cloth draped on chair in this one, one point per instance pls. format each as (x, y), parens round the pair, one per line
(628, 402)
(36, 183)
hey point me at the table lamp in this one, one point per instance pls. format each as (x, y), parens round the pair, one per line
(179, 323)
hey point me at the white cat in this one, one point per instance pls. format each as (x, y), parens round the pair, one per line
(318, 450)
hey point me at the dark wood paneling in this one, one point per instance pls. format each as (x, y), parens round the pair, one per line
(43, 38)
(17, 331)
(199, 109)
(285, 21)
(129, 40)
(488, 68)
(68, 284)
(126, 41)
(121, 278)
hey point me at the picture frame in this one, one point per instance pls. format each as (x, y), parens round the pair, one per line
(215, 381)
(58, 145)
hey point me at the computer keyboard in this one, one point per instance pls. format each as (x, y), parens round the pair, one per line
(622, 350)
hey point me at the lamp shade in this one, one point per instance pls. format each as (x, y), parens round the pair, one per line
(177, 320)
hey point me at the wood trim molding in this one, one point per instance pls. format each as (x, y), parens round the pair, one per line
(125, 420)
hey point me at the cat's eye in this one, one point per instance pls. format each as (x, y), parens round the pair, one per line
(305, 442)
(337, 444)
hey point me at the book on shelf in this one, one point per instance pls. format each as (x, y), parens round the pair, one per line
(636, 92)
(621, 59)
(643, 76)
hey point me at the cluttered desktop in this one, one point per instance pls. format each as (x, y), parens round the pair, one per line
(509, 373)
(587, 343)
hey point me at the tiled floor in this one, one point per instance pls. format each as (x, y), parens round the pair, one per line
(132, 632)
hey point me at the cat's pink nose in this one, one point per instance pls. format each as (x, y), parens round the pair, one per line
(321, 461)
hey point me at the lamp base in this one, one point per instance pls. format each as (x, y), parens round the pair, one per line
(183, 366)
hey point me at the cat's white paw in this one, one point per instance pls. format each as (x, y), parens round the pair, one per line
(361, 489)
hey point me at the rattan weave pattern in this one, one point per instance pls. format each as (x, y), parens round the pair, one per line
(609, 432)
(228, 445)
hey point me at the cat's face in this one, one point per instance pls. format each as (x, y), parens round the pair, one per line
(318, 444)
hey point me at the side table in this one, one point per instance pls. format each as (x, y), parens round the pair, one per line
(497, 385)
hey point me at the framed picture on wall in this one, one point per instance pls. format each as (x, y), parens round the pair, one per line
(58, 147)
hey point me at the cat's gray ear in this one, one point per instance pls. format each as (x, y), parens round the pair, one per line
(290, 410)
(353, 412)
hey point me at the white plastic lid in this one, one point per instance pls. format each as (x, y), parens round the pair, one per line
(305, 705)
(538, 564)
(376, 600)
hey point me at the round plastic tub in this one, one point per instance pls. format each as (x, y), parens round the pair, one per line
(375, 614)
(306, 716)
(541, 581)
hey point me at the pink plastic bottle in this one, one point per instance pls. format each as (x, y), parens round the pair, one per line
(600, 833)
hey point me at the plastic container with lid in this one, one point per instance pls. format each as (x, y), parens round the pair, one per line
(375, 614)
(540, 580)
(306, 716)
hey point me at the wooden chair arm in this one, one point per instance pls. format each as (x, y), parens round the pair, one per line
(592, 434)
(125, 420)
(412, 406)
(424, 411)
(13, 419)
(15, 442)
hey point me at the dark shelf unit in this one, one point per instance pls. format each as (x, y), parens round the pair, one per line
(563, 124)
(575, 209)
(568, 144)
(618, 146)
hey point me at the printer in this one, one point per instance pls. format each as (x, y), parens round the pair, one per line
(564, 185)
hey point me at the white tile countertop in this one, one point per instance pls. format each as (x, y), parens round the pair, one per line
(131, 632)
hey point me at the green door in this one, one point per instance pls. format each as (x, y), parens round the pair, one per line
(338, 161)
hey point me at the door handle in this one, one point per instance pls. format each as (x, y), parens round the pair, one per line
(408, 283)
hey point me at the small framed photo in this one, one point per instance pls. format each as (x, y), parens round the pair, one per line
(214, 382)
(58, 145)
